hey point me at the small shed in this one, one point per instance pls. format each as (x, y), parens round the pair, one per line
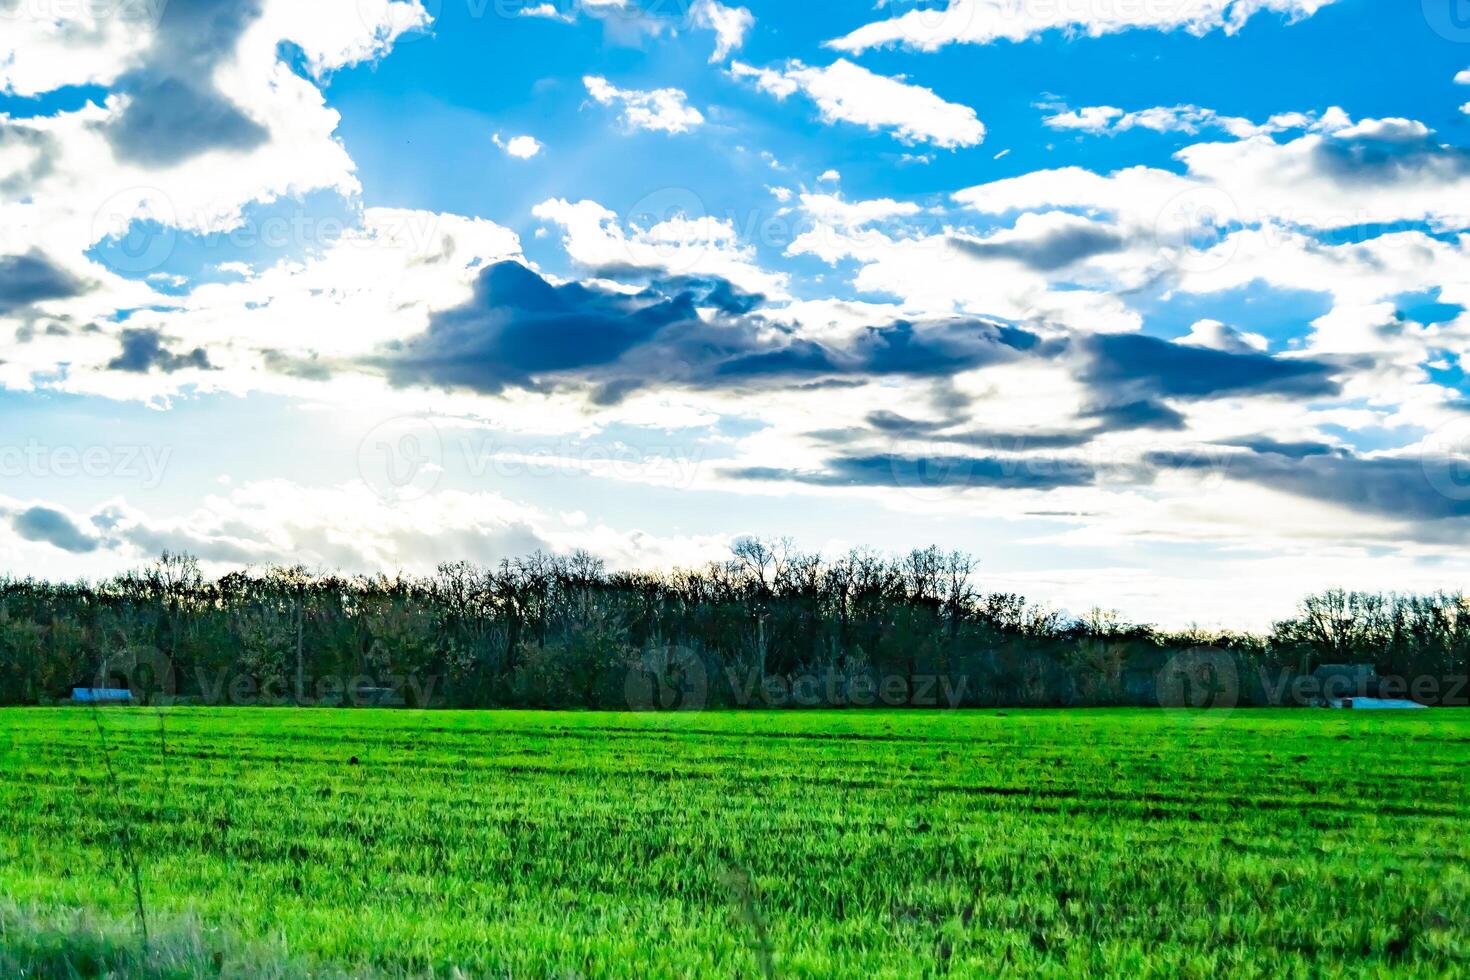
(1378, 704)
(101, 695)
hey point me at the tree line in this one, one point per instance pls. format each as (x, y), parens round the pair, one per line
(769, 627)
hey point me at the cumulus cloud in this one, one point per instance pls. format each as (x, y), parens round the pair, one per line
(83, 44)
(1220, 336)
(284, 328)
(669, 233)
(520, 147)
(664, 110)
(768, 80)
(213, 106)
(845, 92)
(730, 25)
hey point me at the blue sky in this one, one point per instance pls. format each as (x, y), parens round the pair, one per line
(1153, 306)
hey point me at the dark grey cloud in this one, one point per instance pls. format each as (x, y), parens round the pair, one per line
(170, 121)
(1142, 368)
(518, 330)
(922, 350)
(718, 293)
(144, 351)
(48, 526)
(33, 278)
(174, 111)
(1291, 450)
(935, 471)
(1393, 156)
(1056, 249)
(308, 368)
(1408, 489)
(44, 148)
(956, 432)
(1142, 414)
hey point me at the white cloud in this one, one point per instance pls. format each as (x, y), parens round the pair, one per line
(829, 177)
(730, 25)
(1463, 78)
(70, 185)
(845, 92)
(350, 528)
(1219, 336)
(1090, 119)
(771, 82)
(548, 11)
(286, 328)
(336, 35)
(664, 110)
(986, 21)
(1298, 182)
(1179, 119)
(76, 186)
(854, 214)
(1392, 130)
(676, 236)
(520, 147)
(624, 21)
(88, 44)
(938, 271)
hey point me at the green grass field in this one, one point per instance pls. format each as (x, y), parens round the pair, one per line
(813, 844)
